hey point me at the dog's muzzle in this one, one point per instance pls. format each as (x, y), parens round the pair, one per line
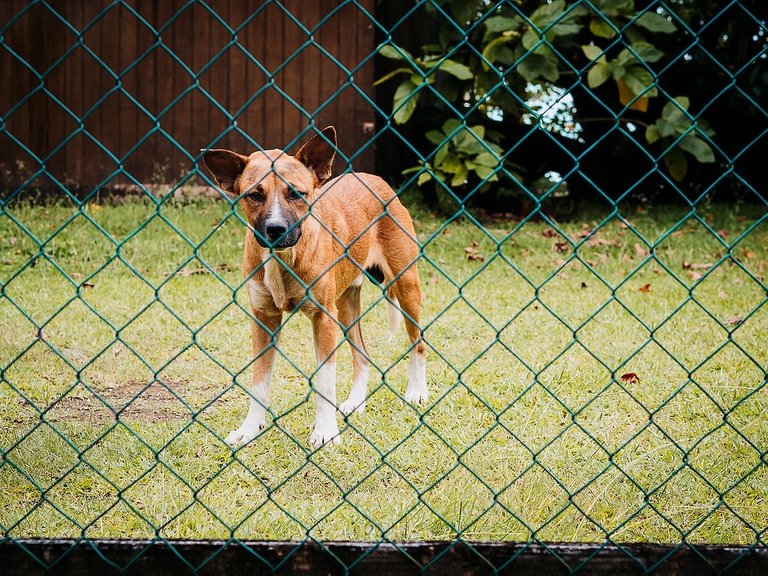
(277, 233)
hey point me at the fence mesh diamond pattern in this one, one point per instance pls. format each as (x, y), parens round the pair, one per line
(584, 177)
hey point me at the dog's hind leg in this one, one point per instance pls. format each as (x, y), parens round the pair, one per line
(349, 316)
(408, 292)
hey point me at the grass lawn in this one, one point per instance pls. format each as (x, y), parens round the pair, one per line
(112, 416)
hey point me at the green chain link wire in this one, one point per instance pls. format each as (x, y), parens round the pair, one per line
(385, 455)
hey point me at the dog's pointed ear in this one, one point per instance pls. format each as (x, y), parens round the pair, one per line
(318, 153)
(225, 166)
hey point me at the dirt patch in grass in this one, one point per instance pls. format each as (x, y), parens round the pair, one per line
(152, 402)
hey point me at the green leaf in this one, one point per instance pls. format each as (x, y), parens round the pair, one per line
(450, 165)
(547, 13)
(440, 156)
(487, 159)
(674, 112)
(665, 128)
(423, 178)
(698, 149)
(502, 24)
(486, 173)
(479, 130)
(652, 134)
(537, 66)
(395, 53)
(656, 23)
(463, 11)
(405, 101)
(676, 164)
(491, 50)
(435, 136)
(460, 177)
(531, 39)
(592, 52)
(647, 52)
(639, 80)
(450, 126)
(601, 28)
(598, 74)
(625, 58)
(456, 69)
(392, 75)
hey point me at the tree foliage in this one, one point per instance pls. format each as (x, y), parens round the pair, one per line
(489, 57)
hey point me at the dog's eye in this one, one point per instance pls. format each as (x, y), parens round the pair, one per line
(256, 195)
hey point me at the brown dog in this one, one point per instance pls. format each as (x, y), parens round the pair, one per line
(308, 243)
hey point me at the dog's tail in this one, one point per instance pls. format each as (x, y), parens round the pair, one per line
(394, 314)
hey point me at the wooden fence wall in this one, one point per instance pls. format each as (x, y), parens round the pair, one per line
(145, 97)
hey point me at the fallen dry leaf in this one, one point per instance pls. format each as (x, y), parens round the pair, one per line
(585, 230)
(549, 233)
(696, 266)
(694, 275)
(644, 288)
(630, 378)
(722, 233)
(561, 247)
(734, 321)
(473, 254)
(748, 254)
(595, 241)
(88, 285)
(640, 249)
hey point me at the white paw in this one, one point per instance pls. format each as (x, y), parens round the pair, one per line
(244, 434)
(416, 395)
(325, 431)
(352, 406)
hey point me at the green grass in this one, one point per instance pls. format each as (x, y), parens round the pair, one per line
(112, 419)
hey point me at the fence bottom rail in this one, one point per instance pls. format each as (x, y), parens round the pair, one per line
(161, 557)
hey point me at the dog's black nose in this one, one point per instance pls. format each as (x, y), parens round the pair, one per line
(275, 230)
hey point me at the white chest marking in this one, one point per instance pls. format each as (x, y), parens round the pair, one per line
(273, 280)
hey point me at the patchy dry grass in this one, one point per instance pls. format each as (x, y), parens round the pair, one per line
(124, 346)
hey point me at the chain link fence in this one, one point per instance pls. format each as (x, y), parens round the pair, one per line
(586, 183)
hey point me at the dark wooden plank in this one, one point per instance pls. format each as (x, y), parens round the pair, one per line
(216, 79)
(291, 76)
(164, 88)
(328, 38)
(94, 81)
(142, 160)
(275, 135)
(130, 121)
(19, 124)
(147, 558)
(39, 106)
(73, 94)
(365, 119)
(181, 115)
(237, 71)
(200, 112)
(310, 62)
(254, 38)
(109, 110)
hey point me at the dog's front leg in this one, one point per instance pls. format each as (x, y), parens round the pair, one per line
(265, 331)
(325, 329)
